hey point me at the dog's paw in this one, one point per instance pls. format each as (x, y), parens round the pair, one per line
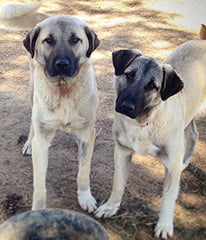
(27, 150)
(107, 210)
(87, 201)
(164, 230)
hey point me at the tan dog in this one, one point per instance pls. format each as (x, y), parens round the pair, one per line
(21, 15)
(155, 113)
(203, 32)
(64, 94)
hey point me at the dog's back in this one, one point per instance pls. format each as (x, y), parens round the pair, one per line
(189, 61)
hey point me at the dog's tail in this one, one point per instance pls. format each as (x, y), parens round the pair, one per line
(203, 32)
(21, 15)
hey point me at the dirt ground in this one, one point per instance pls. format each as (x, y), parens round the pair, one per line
(156, 27)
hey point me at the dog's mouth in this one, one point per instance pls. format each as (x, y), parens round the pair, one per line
(141, 114)
(143, 121)
(64, 73)
(61, 78)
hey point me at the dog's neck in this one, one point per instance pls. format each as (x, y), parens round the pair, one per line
(153, 119)
(144, 125)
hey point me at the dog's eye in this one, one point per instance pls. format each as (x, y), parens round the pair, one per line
(75, 40)
(151, 86)
(130, 75)
(49, 40)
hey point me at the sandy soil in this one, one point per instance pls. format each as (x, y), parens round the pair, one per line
(156, 27)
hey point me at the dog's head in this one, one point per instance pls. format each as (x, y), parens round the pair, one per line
(61, 44)
(142, 83)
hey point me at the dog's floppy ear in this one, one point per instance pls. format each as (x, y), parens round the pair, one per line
(93, 41)
(171, 84)
(122, 59)
(30, 40)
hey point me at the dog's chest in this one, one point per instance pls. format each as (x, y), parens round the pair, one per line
(64, 107)
(66, 113)
(70, 116)
(144, 146)
(141, 140)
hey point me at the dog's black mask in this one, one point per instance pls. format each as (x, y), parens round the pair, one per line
(130, 103)
(62, 63)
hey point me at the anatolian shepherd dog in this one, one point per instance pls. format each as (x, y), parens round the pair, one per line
(63, 93)
(155, 113)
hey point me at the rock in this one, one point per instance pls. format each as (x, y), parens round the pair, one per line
(52, 224)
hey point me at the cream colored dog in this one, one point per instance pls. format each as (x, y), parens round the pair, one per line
(155, 114)
(63, 93)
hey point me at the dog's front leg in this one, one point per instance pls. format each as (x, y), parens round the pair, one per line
(40, 145)
(122, 157)
(164, 227)
(85, 149)
(27, 148)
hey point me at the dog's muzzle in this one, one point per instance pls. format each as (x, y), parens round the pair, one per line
(63, 64)
(64, 67)
(127, 108)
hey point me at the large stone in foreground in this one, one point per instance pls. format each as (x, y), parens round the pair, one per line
(52, 224)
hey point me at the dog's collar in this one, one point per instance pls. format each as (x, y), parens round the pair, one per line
(144, 125)
(151, 121)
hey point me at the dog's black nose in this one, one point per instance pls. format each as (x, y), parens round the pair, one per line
(62, 64)
(128, 106)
